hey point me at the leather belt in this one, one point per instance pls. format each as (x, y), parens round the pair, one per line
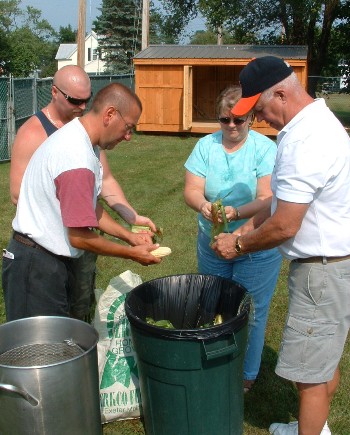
(27, 241)
(322, 259)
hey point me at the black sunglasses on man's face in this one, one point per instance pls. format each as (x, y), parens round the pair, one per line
(72, 100)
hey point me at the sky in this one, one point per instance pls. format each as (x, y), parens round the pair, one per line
(63, 12)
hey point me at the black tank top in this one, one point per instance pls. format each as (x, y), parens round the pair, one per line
(48, 126)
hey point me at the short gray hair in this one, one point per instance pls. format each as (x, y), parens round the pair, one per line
(291, 81)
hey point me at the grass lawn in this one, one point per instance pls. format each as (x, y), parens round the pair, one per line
(340, 104)
(150, 170)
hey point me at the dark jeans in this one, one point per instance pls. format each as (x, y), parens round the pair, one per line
(36, 283)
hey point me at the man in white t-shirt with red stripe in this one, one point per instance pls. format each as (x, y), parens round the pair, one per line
(58, 209)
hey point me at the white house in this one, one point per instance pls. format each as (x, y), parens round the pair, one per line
(67, 54)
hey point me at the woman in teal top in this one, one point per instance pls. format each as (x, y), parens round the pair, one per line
(235, 164)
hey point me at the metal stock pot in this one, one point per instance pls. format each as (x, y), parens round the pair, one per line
(49, 377)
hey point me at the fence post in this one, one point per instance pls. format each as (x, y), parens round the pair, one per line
(11, 127)
(35, 91)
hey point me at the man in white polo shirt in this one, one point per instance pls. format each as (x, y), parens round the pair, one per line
(310, 222)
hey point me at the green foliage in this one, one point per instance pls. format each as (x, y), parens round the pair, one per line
(289, 22)
(9, 11)
(30, 52)
(66, 35)
(119, 27)
(40, 28)
(161, 30)
(204, 37)
(119, 30)
(339, 50)
(27, 47)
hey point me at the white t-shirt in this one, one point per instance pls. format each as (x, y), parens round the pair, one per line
(313, 167)
(59, 189)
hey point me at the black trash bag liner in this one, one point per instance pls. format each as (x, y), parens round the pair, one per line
(188, 302)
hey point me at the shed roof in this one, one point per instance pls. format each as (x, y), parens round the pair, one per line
(221, 51)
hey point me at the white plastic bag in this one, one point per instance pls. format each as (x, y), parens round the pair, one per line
(119, 384)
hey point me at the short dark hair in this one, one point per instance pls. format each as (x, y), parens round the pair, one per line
(115, 94)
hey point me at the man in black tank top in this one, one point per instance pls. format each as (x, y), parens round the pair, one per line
(45, 122)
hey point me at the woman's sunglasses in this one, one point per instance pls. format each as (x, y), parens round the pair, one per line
(228, 120)
(72, 100)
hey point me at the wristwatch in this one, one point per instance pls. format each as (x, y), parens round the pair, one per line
(238, 214)
(238, 246)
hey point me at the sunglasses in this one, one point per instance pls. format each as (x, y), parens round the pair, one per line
(72, 100)
(228, 120)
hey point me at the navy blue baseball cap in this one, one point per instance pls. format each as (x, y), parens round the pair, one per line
(258, 75)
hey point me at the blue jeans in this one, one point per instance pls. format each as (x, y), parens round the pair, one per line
(258, 273)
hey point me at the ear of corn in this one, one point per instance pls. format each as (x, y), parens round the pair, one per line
(138, 228)
(162, 251)
(218, 227)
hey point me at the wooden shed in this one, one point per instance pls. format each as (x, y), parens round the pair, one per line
(178, 84)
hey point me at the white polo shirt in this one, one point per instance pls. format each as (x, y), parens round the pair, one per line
(313, 167)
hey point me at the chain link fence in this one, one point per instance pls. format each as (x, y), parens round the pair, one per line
(20, 98)
(336, 94)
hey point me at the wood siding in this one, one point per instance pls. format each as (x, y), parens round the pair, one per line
(179, 95)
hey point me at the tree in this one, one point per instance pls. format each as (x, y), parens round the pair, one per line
(119, 29)
(66, 35)
(29, 53)
(28, 47)
(289, 22)
(210, 37)
(9, 11)
(339, 50)
(204, 37)
(161, 29)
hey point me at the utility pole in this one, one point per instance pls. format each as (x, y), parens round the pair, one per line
(145, 24)
(81, 33)
(219, 36)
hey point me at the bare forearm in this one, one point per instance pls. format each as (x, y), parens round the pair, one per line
(257, 206)
(108, 225)
(268, 235)
(114, 196)
(88, 240)
(195, 199)
(280, 227)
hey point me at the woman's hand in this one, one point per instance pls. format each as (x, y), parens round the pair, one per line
(205, 210)
(231, 213)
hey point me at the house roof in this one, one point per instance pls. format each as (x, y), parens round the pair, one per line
(221, 51)
(65, 51)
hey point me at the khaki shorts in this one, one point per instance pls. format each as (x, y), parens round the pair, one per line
(317, 323)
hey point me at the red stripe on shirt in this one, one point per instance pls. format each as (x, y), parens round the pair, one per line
(75, 191)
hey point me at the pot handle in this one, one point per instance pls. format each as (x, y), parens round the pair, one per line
(12, 389)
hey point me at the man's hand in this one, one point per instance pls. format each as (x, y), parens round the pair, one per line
(142, 238)
(224, 245)
(142, 254)
(144, 221)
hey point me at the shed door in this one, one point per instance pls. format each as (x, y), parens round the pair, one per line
(188, 97)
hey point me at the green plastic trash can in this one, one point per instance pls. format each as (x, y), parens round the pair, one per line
(191, 377)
